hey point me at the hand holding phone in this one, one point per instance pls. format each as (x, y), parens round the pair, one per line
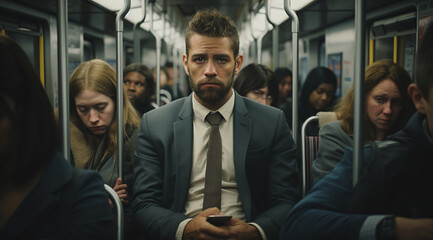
(218, 220)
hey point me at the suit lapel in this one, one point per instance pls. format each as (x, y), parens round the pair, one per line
(241, 138)
(183, 137)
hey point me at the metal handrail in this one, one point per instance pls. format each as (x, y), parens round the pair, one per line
(275, 33)
(119, 209)
(359, 62)
(119, 66)
(158, 58)
(304, 159)
(137, 52)
(62, 35)
(295, 57)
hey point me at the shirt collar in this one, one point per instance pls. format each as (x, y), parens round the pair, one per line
(226, 110)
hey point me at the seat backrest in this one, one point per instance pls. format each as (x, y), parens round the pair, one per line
(310, 146)
(119, 209)
(309, 151)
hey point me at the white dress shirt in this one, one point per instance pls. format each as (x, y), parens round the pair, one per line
(230, 202)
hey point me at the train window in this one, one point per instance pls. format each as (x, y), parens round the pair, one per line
(30, 45)
(383, 48)
(89, 50)
(394, 38)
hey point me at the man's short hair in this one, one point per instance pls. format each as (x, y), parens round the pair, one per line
(212, 23)
(423, 65)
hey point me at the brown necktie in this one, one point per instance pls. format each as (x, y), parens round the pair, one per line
(212, 187)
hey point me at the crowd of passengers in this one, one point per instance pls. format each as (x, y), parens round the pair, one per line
(224, 150)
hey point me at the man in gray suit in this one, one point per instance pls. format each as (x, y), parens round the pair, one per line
(259, 180)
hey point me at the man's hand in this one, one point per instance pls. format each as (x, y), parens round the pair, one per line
(241, 230)
(199, 228)
(413, 229)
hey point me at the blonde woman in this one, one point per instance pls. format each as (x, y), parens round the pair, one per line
(94, 141)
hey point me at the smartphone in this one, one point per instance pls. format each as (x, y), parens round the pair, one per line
(218, 220)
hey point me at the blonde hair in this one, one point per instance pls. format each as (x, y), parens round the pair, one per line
(374, 74)
(99, 76)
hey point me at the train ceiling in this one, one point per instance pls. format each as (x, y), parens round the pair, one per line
(313, 18)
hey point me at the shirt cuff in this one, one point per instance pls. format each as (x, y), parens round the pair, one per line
(368, 229)
(181, 228)
(260, 230)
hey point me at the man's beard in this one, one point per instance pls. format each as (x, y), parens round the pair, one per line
(211, 95)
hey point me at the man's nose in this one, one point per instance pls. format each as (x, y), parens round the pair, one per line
(210, 70)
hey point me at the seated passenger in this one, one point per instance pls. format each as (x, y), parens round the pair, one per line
(94, 142)
(393, 197)
(388, 107)
(41, 195)
(257, 82)
(139, 86)
(317, 94)
(284, 79)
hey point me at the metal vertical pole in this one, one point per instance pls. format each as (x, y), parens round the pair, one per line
(359, 87)
(295, 57)
(175, 66)
(137, 50)
(158, 59)
(119, 70)
(275, 42)
(255, 42)
(259, 48)
(62, 43)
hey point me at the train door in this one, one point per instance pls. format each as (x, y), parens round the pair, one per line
(29, 35)
(394, 38)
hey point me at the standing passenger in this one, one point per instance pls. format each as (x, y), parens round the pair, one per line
(94, 141)
(257, 82)
(140, 86)
(41, 195)
(388, 107)
(250, 172)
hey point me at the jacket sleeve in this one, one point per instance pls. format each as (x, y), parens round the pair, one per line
(153, 219)
(332, 142)
(320, 214)
(90, 214)
(282, 182)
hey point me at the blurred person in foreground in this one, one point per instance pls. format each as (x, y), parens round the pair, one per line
(393, 196)
(41, 195)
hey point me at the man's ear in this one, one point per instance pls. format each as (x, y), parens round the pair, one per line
(238, 63)
(185, 63)
(417, 98)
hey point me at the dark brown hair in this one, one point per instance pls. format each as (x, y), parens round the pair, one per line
(145, 72)
(374, 74)
(212, 23)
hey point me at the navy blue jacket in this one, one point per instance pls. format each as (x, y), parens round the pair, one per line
(88, 216)
(399, 183)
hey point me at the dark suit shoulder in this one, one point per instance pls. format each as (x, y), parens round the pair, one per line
(255, 108)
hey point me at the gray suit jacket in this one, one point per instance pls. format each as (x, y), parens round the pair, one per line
(264, 159)
(333, 140)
